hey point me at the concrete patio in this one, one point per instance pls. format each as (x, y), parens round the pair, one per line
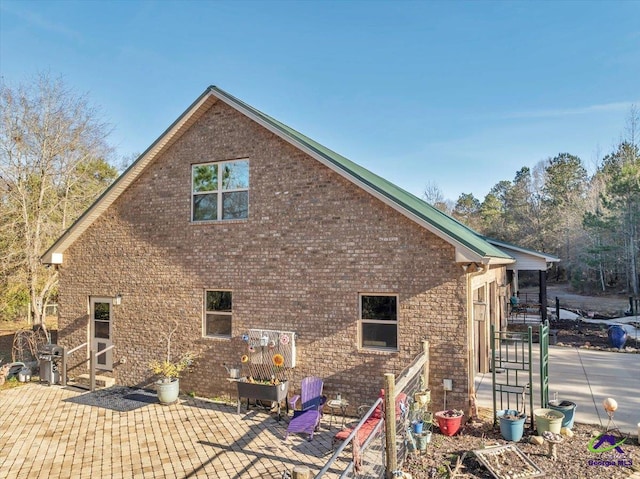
(585, 377)
(44, 435)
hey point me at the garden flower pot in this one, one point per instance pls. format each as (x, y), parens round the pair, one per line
(511, 424)
(449, 424)
(168, 392)
(417, 427)
(422, 398)
(422, 440)
(567, 408)
(263, 392)
(548, 420)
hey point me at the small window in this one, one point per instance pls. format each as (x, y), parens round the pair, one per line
(218, 312)
(379, 322)
(220, 191)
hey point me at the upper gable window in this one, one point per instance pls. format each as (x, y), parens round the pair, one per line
(220, 191)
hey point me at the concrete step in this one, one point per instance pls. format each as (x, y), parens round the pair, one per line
(101, 381)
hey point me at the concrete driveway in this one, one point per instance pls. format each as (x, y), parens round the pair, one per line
(46, 433)
(586, 377)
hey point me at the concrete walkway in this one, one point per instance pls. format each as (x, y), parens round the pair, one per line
(44, 435)
(586, 378)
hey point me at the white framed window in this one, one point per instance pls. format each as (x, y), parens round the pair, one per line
(218, 312)
(379, 321)
(220, 191)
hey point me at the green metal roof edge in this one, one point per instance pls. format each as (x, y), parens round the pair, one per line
(394, 193)
(552, 258)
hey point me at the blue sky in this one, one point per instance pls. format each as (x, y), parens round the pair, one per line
(458, 94)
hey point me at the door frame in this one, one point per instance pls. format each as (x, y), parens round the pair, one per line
(104, 362)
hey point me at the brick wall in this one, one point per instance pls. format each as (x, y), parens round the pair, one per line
(313, 241)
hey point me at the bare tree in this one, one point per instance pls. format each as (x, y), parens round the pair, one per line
(433, 195)
(53, 164)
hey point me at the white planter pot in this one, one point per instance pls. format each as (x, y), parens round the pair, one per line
(168, 392)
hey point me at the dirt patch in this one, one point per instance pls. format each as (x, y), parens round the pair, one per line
(579, 334)
(573, 456)
(608, 305)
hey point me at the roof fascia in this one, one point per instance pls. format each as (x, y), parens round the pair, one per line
(507, 246)
(55, 254)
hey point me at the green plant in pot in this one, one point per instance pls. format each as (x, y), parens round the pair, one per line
(169, 370)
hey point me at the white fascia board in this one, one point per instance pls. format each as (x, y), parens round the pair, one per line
(120, 185)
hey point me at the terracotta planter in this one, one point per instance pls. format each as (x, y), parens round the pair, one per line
(448, 425)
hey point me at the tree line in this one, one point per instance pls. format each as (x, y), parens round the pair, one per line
(590, 221)
(54, 162)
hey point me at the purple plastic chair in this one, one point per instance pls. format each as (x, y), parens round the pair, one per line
(307, 418)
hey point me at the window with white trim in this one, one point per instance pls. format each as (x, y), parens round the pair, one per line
(220, 191)
(217, 314)
(379, 321)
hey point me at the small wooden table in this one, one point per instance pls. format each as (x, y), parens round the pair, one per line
(335, 405)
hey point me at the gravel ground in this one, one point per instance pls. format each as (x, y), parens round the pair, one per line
(574, 460)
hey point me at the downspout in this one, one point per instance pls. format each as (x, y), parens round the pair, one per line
(481, 268)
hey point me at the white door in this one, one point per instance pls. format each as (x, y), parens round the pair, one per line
(101, 323)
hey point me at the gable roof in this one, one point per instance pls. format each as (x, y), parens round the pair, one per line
(469, 246)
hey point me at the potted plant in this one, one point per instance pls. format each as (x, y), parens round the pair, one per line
(423, 395)
(168, 385)
(449, 421)
(511, 424)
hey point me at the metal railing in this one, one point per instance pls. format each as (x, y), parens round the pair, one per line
(93, 359)
(385, 448)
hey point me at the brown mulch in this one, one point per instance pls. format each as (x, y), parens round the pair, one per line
(574, 459)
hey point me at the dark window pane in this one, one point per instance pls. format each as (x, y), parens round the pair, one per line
(101, 329)
(218, 325)
(102, 359)
(379, 307)
(205, 178)
(205, 207)
(101, 311)
(235, 205)
(380, 335)
(235, 175)
(219, 301)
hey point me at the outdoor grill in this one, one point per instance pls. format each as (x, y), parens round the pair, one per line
(50, 356)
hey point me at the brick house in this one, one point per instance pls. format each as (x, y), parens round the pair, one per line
(232, 221)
